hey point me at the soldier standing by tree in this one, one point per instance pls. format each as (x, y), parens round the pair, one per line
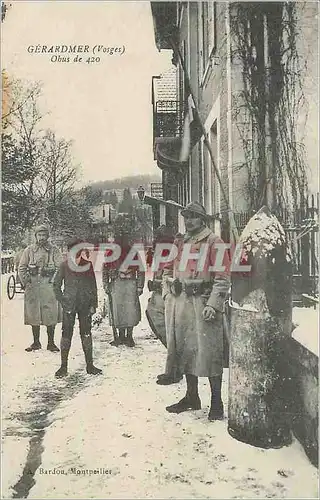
(194, 304)
(37, 266)
(123, 286)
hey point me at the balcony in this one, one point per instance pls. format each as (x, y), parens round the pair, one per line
(167, 119)
(167, 133)
(168, 125)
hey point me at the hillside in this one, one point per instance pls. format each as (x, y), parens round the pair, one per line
(132, 182)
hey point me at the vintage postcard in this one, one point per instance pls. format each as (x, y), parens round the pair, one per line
(160, 257)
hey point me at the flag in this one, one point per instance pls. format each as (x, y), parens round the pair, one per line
(191, 130)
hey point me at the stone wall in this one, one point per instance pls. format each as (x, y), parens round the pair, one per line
(301, 367)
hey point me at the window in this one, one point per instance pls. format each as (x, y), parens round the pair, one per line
(206, 177)
(207, 35)
(200, 151)
(181, 77)
(189, 195)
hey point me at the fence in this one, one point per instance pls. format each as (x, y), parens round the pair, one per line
(301, 228)
(7, 264)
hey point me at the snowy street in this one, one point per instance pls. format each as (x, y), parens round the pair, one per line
(110, 437)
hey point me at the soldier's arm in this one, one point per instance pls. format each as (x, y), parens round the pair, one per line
(105, 277)
(94, 289)
(221, 282)
(17, 260)
(141, 276)
(57, 282)
(23, 267)
(167, 272)
(57, 257)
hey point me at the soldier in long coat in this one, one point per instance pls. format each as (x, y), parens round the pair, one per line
(194, 305)
(155, 309)
(123, 288)
(37, 266)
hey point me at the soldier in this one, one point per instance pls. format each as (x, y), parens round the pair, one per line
(78, 297)
(155, 308)
(37, 266)
(149, 257)
(123, 286)
(194, 305)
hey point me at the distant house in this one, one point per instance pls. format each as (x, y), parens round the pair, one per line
(103, 213)
(118, 193)
(103, 216)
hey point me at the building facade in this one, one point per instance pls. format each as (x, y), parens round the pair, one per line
(217, 139)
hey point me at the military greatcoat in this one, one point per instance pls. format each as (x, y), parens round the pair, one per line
(155, 309)
(195, 346)
(122, 287)
(40, 304)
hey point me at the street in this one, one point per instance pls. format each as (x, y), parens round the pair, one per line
(110, 436)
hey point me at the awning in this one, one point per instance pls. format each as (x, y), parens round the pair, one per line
(150, 200)
(167, 152)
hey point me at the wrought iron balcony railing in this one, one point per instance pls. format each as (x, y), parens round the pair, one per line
(167, 119)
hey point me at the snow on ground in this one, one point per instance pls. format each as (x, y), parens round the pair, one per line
(25, 376)
(307, 329)
(117, 423)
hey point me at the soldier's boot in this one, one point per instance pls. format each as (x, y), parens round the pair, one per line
(65, 345)
(115, 342)
(169, 378)
(86, 341)
(122, 335)
(129, 339)
(216, 408)
(36, 339)
(121, 338)
(191, 401)
(51, 345)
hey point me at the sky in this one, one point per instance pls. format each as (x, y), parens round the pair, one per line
(105, 107)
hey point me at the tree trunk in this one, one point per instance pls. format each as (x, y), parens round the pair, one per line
(260, 321)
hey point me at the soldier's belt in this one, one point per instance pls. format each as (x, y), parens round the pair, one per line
(33, 270)
(122, 276)
(190, 287)
(47, 273)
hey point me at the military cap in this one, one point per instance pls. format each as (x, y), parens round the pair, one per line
(195, 208)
